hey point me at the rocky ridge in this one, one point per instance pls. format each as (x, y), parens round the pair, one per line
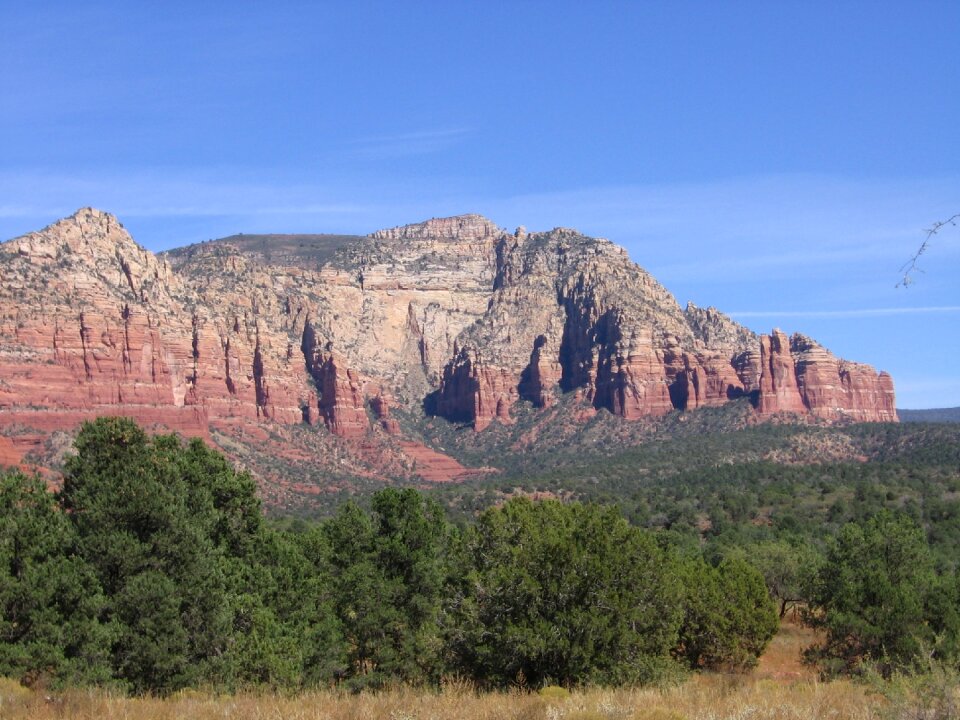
(454, 314)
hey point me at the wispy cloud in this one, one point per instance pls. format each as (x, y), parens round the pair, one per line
(23, 211)
(382, 147)
(854, 313)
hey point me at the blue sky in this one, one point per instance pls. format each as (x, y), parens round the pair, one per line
(777, 160)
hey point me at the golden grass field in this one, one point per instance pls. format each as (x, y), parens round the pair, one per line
(781, 688)
(701, 698)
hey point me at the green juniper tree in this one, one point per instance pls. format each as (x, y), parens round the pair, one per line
(729, 615)
(563, 593)
(387, 571)
(878, 598)
(197, 588)
(50, 600)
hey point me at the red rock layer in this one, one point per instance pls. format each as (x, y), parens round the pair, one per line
(632, 379)
(471, 391)
(639, 378)
(800, 376)
(870, 395)
(748, 367)
(342, 401)
(431, 465)
(779, 392)
(74, 368)
(708, 380)
(835, 389)
(10, 455)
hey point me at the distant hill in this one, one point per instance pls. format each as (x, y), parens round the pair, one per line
(943, 415)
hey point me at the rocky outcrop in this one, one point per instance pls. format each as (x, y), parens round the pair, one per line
(779, 392)
(380, 405)
(472, 391)
(800, 376)
(472, 230)
(632, 376)
(570, 313)
(96, 324)
(718, 332)
(341, 398)
(540, 382)
(567, 313)
(86, 328)
(709, 379)
(835, 389)
(749, 368)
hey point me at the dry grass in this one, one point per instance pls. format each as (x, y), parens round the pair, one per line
(781, 688)
(708, 697)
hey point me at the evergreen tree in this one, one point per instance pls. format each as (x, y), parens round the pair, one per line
(729, 615)
(878, 598)
(50, 600)
(387, 573)
(563, 593)
(143, 522)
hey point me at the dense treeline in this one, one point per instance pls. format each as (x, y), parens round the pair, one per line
(717, 491)
(152, 569)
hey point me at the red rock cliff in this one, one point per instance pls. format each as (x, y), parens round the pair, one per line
(799, 376)
(454, 308)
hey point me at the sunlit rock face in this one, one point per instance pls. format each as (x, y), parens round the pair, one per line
(453, 314)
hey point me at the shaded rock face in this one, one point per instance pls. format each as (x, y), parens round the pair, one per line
(708, 379)
(341, 401)
(455, 309)
(473, 391)
(567, 313)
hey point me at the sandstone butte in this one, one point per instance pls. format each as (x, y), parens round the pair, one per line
(452, 314)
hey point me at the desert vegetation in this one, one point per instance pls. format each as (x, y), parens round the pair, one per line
(152, 573)
(703, 698)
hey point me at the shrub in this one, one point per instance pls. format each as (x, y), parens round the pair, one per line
(878, 599)
(563, 593)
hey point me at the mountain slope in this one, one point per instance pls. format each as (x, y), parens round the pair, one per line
(319, 360)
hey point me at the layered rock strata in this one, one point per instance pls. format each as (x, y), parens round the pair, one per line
(454, 313)
(803, 376)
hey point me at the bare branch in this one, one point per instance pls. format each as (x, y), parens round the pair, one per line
(911, 266)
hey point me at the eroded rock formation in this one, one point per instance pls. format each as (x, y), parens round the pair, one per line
(454, 311)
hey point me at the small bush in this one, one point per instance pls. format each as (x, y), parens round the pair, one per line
(931, 694)
(554, 692)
